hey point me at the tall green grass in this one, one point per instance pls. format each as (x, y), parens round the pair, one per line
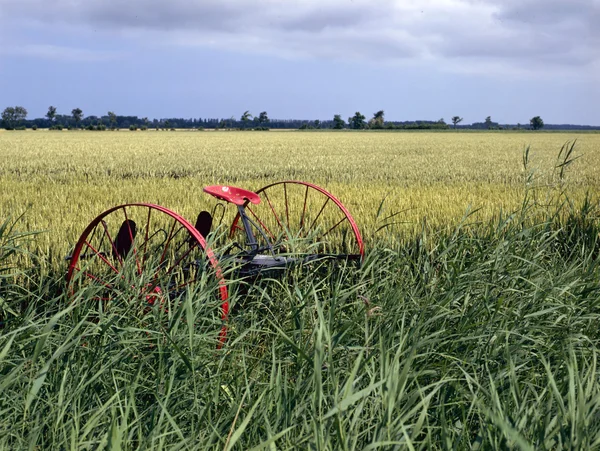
(483, 337)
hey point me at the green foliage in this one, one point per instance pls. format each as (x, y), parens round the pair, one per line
(357, 121)
(377, 122)
(77, 116)
(51, 114)
(112, 118)
(13, 116)
(456, 120)
(34, 127)
(133, 128)
(536, 123)
(338, 122)
(419, 126)
(263, 118)
(245, 118)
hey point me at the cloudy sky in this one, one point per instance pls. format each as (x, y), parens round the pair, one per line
(415, 59)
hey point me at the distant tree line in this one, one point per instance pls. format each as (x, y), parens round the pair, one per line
(16, 118)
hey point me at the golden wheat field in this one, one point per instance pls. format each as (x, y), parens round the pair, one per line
(62, 180)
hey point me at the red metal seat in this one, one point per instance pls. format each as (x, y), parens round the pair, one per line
(237, 196)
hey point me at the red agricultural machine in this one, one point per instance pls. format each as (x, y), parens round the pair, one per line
(160, 253)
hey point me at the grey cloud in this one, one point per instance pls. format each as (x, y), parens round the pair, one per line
(551, 12)
(356, 46)
(526, 33)
(531, 33)
(331, 18)
(152, 14)
(220, 15)
(144, 14)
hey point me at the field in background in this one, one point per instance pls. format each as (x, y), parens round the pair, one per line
(63, 180)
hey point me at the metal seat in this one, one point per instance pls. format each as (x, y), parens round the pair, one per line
(237, 196)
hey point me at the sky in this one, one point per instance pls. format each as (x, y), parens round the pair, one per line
(305, 59)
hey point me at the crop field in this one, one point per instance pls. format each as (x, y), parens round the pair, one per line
(471, 323)
(63, 180)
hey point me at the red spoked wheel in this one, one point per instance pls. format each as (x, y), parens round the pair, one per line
(147, 251)
(303, 218)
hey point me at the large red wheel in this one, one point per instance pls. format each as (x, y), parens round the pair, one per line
(147, 250)
(300, 217)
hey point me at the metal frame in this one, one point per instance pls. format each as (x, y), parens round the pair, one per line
(330, 197)
(194, 235)
(252, 268)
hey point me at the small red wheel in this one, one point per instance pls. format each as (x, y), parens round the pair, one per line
(147, 248)
(304, 218)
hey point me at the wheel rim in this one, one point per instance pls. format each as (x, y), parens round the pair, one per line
(147, 248)
(304, 214)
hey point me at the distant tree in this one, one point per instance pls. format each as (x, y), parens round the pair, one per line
(456, 120)
(245, 118)
(441, 121)
(377, 120)
(77, 116)
(338, 122)
(112, 118)
(51, 114)
(263, 118)
(167, 124)
(8, 118)
(536, 123)
(12, 116)
(20, 114)
(317, 123)
(488, 122)
(357, 121)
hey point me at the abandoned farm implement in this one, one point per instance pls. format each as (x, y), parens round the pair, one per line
(160, 254)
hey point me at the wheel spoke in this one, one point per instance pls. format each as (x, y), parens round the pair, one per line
(192, 247)
(168, 242)
(304, 208)
(102, 257)
(273, 210)
(319, 214)
(95, 278)
(287, 212)
(265, 228)
(340, 221)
